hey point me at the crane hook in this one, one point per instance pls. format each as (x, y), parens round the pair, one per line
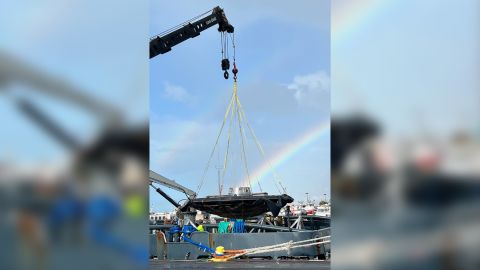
(235, 71)
(225, 67)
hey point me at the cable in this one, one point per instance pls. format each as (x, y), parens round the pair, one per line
(221, 44)
(232, 37)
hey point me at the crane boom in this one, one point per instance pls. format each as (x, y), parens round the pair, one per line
(163, 43)
(159, 179)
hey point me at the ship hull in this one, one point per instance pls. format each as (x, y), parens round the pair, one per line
(240, 206)
(236, 241)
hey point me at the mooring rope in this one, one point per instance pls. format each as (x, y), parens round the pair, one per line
(278, 247)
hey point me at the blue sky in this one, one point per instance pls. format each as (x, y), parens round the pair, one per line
(84, 44)
(283, 56)
(413, 65)
(391, 58)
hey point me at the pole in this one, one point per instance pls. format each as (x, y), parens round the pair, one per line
(219, 184)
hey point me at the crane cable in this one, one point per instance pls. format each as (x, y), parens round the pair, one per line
(224, 45)
(234, 70)
(235, 109)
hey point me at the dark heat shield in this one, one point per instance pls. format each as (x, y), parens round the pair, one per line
(240, 206)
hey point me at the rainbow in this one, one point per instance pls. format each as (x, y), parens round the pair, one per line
(287, 152)
(347, 16)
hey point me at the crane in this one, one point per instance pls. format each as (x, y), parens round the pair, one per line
(159, 179)
(164, 42)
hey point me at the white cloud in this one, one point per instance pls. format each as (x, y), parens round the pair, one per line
(177, 93)
(311, 89)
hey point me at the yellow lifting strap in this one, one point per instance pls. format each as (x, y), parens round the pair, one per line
(259, 146)
(216, 143)
(235, 110)
(225, 160)
(242, 133)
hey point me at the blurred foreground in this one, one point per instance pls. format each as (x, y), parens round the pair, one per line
(405, 134)
(405, 204)
(73, 160)
(85, 213)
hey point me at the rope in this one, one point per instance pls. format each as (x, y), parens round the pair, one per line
(225, 162)
(289, 247)
(235, 110)
(259, 146)
(278, 247)
(245, 138)
(287, 243)
(242, 135)
(215, 146)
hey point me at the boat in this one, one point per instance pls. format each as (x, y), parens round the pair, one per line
(240, 203)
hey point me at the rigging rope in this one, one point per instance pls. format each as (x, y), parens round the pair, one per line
(259, 146)
(215, 146)
(225, 163)
(235, 111)
(242, 135)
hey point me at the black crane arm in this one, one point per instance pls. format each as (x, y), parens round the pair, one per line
(163, 43)
(165, 195)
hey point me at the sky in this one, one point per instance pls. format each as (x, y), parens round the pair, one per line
(412, 65)
(85, 45)
(283, 57)
(389, 58)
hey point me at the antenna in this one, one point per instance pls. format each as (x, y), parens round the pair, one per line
(219, 168)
